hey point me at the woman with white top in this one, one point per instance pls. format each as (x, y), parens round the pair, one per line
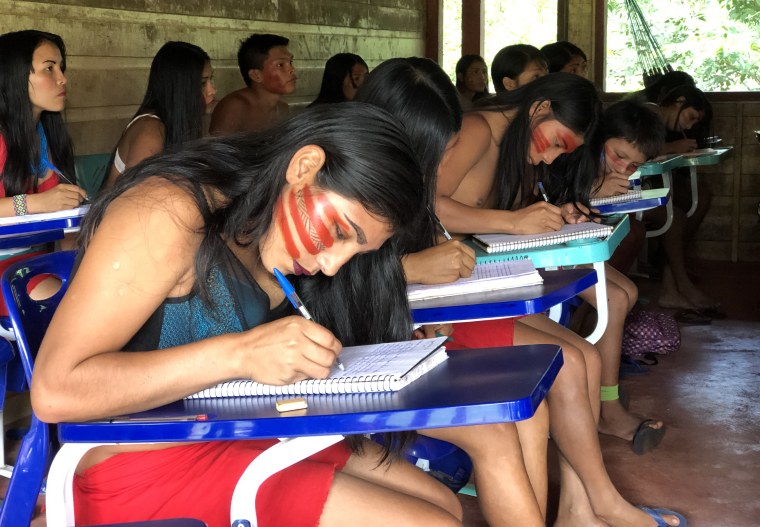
(180, 91)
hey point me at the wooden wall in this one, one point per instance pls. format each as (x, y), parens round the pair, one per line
(111, 43)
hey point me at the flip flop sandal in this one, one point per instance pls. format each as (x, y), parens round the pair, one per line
(629, 367)
(713, 312)
(645, 438)
(692, 317)
(648, 359)
(658, 513)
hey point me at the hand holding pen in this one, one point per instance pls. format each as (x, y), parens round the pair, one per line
(290, 292)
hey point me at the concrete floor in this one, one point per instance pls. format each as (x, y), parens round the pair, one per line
(708, 394)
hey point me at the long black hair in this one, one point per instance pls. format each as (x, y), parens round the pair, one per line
(174, 91)
(511, 61)
(367, 158)
(419, 94)
(17, 125)
(337, 68)
(574, 103)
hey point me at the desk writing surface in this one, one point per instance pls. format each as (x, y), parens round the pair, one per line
(659, 165)
(573, 253)
(478, 386)
(34, 223)
(715, 156)
(558, 287)
(649, 199)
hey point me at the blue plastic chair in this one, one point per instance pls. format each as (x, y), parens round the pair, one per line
(30, 320)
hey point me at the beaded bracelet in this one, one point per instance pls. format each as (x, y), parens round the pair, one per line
(19, 205)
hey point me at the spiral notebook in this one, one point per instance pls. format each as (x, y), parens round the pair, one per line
(485, 277)
(494, 243)
(384, 367)
(631, 195)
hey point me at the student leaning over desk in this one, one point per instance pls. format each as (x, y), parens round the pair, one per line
(176, 274)
(488, 183)
(36, 158)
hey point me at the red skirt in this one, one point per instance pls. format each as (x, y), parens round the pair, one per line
(483, 334)
(197, 481)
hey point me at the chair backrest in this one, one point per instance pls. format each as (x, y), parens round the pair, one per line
(91, 170)
(30, 319)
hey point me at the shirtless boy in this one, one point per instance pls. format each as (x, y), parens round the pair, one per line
(267, 69)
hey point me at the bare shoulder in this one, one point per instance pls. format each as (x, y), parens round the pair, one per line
(228, 113)
(155, 216)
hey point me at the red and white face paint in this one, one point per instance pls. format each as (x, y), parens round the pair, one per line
(319, 230)
(313, 218)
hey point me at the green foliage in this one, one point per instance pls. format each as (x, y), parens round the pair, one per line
(716, 41)
(506, 22)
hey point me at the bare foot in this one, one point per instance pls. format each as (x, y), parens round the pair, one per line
(675, 300)
(629, 516)
(617, 421)
(698, 298)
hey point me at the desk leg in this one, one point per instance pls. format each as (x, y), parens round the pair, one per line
(274, 459)
(694, 190)
(59, 496)
(666, 183)
(602, 312)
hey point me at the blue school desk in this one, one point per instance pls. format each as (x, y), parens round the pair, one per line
(649, 200)
(479, 386)
(16, 228)
(578, 252)
(558, 287)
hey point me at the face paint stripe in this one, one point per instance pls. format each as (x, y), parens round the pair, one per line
(540, 140)
(285, 229)
(322, 231)
(295, 213)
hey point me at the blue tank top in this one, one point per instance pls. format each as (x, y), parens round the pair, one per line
(238, 304)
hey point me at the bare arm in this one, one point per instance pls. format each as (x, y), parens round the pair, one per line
(142, 253)
(441, 264)
(462, 160)
(228, 116)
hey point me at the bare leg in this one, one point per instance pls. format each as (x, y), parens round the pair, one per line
(533, 439)
(621, 297)
(396, 494)
(677, 290)
(573, 415)
(504, 488)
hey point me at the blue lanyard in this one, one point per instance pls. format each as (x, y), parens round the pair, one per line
(44, 163)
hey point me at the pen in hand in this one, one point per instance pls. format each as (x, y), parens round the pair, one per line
(290, 292)
(543, 192)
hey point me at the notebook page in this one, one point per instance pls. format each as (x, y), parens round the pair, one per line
(568, 232)
(485, 277)
(31, 218)
(631, 195)
(375, 367)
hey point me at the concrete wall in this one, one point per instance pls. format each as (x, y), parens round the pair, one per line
(111, 43)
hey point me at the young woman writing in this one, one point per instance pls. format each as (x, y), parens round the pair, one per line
(176, 271)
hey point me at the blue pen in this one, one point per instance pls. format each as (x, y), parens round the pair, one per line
(543, 192)
(290, 292)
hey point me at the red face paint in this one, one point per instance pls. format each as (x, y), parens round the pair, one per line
(540, 141)
(569, 142)
(616, 164)
(282, 220)
(311, 215)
